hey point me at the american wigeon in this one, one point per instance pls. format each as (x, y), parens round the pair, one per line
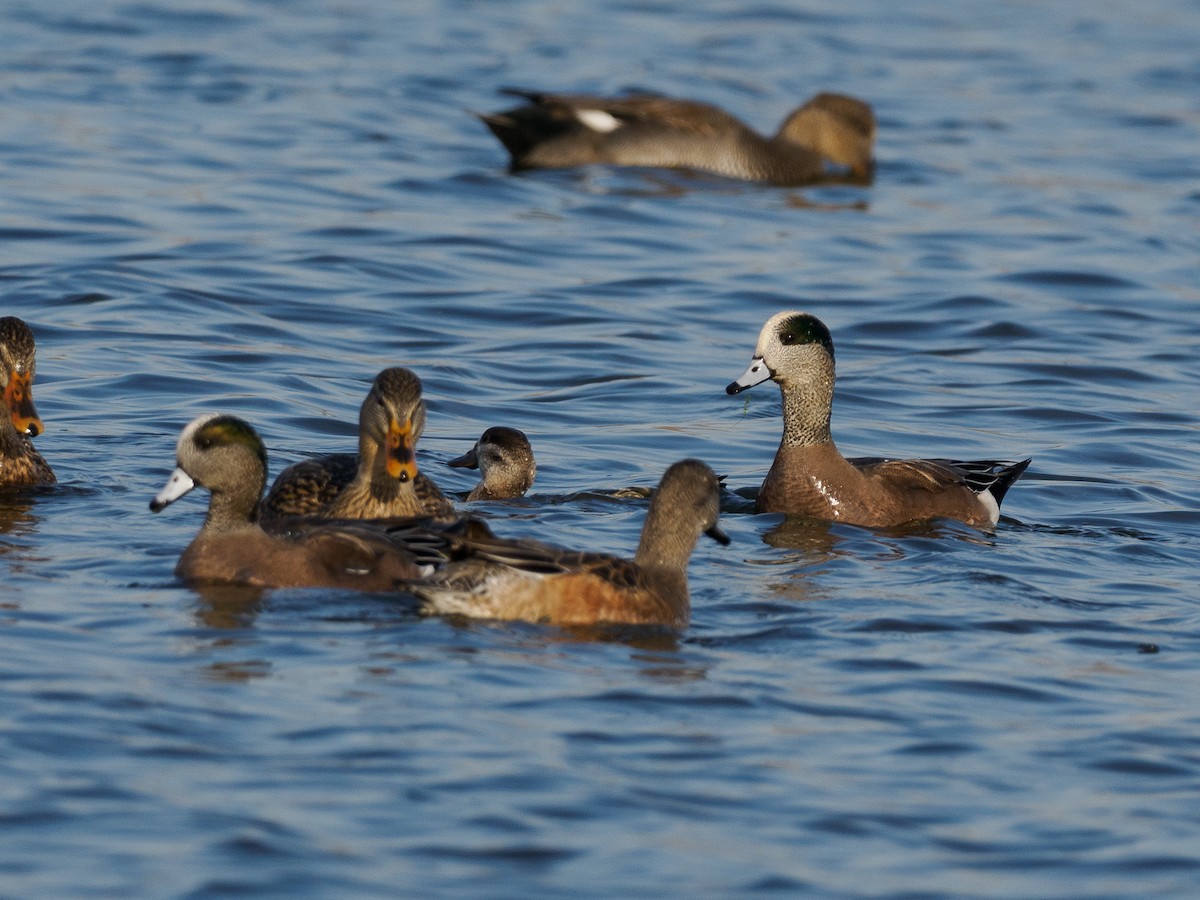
(504, 579)
(20, 463)
(505, 462)
(829, 132)
(810, 477)
(382, 479)
(223, 454)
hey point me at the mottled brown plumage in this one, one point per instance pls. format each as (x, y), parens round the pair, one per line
(499, 579)
(810, 477)
(382, 480)
(829, 135)
(505, 462)
(225, 455)
(20, 463)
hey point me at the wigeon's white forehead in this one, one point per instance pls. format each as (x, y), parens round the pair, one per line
(192, 427)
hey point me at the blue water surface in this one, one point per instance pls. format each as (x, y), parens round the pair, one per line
(253, 206)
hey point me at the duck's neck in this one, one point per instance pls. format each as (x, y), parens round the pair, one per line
(231, 511)
(373, 479)
(505, 483)
(807, 407)
(786, 162)
(665, 545)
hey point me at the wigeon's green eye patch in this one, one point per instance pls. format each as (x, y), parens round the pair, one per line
(805, 329)
(223, 431)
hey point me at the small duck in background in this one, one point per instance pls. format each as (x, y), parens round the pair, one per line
(20, 463)
(380, 481)
(504, 458)
(829, 135)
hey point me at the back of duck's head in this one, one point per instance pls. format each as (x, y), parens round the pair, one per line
(689, 493)
(838, 128)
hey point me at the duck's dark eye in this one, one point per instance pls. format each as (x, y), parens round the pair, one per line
(787, 338)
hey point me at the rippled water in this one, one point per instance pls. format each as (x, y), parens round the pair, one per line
(254, 207)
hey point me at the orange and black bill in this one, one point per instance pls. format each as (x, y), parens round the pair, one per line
(18, 397)
(401, 458)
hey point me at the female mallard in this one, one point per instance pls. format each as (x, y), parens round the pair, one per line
(382, 480)
(20, 463)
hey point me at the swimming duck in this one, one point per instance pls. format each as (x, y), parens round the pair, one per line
(810, 476)
(225, 455)
(504, 579)
(505, 462)
(20, 463)
(829, 132)
(382, 480)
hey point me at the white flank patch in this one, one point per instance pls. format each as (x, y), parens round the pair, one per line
(833, 501)
(598, 120)
(990, 504)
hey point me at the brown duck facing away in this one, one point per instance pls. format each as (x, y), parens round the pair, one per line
(20, 463)
(810, 477)
(503, 579)
(505, 462)
(225, 455)
(382, 479)
(828, 136)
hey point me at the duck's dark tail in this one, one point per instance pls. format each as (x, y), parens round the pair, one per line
(989, 474)
(1006, 477)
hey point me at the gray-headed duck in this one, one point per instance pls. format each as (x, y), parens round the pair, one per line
(505, 462)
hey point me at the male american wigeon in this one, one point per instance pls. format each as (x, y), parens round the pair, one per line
(223, 454)
(828, 134)
(505, 462)
(503, 579)
(382, 479)
(810, 477)
(20, 463)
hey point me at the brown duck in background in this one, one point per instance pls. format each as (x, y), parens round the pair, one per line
(493, 578)
(225, 455)
(505, 462)
(20, 463)
(382, 479)
(810, 477)
(830, 132)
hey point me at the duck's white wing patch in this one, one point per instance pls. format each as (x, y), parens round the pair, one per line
(598, 120)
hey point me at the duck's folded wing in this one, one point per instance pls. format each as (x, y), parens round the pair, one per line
(915, 474)
(307, 487)
(935, 474)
